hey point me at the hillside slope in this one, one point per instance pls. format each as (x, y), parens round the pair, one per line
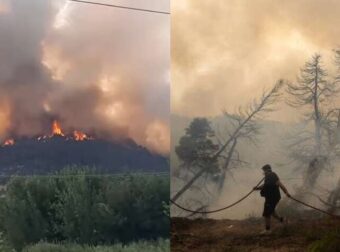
(31, 156)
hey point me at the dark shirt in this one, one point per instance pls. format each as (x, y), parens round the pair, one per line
(271, 189)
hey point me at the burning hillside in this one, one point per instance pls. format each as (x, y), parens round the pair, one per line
(56, 130)
(51, 152)
(114, 95)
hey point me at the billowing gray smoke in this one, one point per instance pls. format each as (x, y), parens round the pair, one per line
(97, 69)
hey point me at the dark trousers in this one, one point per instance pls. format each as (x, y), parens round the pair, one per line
(269, 207)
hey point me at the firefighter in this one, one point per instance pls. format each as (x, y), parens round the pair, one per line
(270, 190)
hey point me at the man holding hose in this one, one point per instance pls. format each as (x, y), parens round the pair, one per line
(271, 192)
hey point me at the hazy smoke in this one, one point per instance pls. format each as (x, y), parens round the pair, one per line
(225, 52)
(270, 149)
(96, 69)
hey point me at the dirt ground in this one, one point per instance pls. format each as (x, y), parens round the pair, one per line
(209, 235)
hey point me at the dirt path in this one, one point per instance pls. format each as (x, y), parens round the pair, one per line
(208, 235)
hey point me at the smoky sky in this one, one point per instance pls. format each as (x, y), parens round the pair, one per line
(94, 68)
(224, 53)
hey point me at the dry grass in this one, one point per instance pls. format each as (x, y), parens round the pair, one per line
(244, 236)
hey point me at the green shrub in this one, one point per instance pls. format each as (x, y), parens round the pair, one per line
(4, 246)
(80, 207)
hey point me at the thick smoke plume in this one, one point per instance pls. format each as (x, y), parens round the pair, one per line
(225, 52)
(93, 68)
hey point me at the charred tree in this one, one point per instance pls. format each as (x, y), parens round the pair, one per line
(312, 92)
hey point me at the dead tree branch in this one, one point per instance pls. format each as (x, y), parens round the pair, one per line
(253, 112)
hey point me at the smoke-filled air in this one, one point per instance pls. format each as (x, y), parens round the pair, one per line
(254, 83)
(77, 64)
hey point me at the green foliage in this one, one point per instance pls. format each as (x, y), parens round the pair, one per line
(142, 246)
(87, 209)
(328, 243)
(196, 146)
(166, 209)
(27, 212)
(4, 246)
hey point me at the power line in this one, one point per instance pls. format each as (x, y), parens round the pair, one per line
(121, 7)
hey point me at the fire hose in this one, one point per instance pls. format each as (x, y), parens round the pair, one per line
(243, 198)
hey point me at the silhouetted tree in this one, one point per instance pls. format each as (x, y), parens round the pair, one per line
(196, 146)
(312, 92)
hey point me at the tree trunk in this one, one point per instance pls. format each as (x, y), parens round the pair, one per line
(317, 119)
(226, 165)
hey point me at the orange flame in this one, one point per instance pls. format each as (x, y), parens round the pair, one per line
(56, 129)
(8, 142)
(79, 136)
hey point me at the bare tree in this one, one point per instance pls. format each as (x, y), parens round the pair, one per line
(311, 89)
(230, 158)
(255, 110)
(312, 92)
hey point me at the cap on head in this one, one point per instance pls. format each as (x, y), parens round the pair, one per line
(267, 167)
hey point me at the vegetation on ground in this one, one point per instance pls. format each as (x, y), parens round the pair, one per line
(329, 242)
(78, 207)
(298, 235)
(142, 246)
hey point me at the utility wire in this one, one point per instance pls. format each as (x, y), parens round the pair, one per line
(121, 7)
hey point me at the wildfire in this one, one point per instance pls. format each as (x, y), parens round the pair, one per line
(79, 136)
(8, 142)
(56, 129)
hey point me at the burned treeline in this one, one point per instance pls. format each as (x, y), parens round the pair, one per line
(208, 155)
(315, 144)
